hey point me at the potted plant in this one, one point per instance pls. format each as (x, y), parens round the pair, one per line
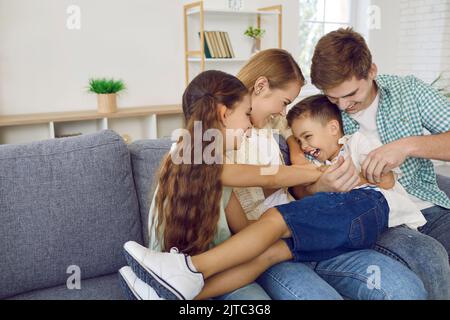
(106, 90)
(256, 34)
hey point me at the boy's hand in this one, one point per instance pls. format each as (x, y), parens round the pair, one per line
(387, 181)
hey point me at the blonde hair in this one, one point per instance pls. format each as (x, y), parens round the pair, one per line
(277, 65)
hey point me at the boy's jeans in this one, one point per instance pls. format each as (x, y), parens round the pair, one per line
(326, 225)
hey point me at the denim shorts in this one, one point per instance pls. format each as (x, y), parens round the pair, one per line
(327, 225)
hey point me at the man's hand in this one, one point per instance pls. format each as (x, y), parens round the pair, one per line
(340, 177)
(381, 161)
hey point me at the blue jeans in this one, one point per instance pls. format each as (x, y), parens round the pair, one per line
(327, 225)
(438, 218)
(252, 291)
(357, 275)
(424, 251)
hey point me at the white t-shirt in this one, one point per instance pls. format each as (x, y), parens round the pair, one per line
(402, 210)
(368, 127)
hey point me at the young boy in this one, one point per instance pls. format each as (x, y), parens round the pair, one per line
(317, 125)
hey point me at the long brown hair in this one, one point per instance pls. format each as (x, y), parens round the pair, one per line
(189, 195)
(277, 65)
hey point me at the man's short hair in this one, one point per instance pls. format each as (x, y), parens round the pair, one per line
(339, 56)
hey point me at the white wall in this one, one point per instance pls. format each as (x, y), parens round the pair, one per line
(383, 42)
(424, 46)
(414, 37)
(44, 67)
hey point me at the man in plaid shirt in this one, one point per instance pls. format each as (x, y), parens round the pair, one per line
(395, 111)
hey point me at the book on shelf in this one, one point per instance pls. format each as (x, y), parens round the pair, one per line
(212, 42)
(217, 44)
(209, 42)
(230, 47)
(224, 42)
(206, 46)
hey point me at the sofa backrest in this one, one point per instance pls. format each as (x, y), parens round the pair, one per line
(146, 156)
(65, 202)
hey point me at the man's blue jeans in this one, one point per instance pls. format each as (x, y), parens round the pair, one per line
(362, 275)
(426, 251)
(438, 218)
(252, 291)
(358, 275)
(346, 275)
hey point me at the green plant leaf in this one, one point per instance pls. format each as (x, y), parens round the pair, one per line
(105, 86)
(255, 33)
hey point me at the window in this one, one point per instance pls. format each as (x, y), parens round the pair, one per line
(317, 18)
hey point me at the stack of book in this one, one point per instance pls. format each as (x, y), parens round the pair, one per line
(218, 45)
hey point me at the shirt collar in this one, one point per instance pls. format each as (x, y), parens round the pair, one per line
(383, 88)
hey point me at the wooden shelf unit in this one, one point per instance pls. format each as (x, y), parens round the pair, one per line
(148, 113)
(197, 8)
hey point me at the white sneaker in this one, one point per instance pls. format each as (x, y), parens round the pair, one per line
(168, 273)
(135, 288)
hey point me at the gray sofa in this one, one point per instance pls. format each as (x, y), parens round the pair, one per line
(72, 202)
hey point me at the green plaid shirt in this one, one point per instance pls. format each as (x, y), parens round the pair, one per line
(407, 107)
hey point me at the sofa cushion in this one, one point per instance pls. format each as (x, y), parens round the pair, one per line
(146, 156)
(64, 202)
(100, 288)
